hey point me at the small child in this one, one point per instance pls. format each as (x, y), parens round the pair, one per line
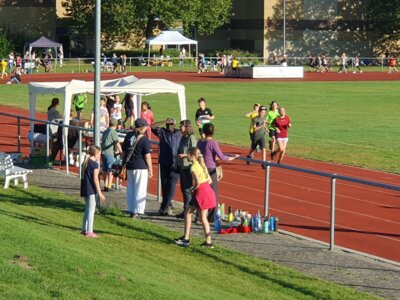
(203, 198)
(116, 112)
(147, 114)
(90, 190)
(3, 65)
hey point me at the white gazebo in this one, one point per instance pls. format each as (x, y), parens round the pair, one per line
(170, 37)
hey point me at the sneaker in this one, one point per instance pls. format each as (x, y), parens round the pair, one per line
(258, 148)
(182, 242)
(83, 232)
(162, 213)
(169, 212)
(207, 245)
(92, 235)
(247, 162)
(180, 216)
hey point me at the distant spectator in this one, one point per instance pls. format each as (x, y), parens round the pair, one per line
(114, 61)
(343, 64)
(17, 76)
(52, 112)
(79, 101)
(127, 102)
(60, 55)
(357, 65)
(3, 65)
(392, 65)
(235, 67)
(147, 114)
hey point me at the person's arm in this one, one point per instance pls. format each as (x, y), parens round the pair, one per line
(97, 184)
(156, 124)
(221, 155)
(256, 128)
(147, 158)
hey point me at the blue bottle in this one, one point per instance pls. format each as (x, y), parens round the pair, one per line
(276, 224)
(271, 223)
(255, 224)
(217, 221)
(265, 225)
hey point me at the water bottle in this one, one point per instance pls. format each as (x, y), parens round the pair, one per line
(230, 215)
(255, 224)
(265, 225)
(276, 224)
(271, 223)
(217, 221)
(249, 220)
(259, 220)
(222, 211)
(237, 216)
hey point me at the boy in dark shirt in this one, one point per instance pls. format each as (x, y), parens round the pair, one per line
(203, 116)
(260, 130)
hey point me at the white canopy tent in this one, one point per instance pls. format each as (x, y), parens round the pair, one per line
(130, 84)
(171, 37)
(43, 42)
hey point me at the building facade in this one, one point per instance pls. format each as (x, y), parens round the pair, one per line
(312, 26)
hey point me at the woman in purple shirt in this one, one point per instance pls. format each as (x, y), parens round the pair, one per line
(210, 150)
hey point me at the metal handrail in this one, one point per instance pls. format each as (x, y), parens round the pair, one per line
(333, 177)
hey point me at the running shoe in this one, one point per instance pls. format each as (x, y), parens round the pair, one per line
(182, 242)
(207, 245)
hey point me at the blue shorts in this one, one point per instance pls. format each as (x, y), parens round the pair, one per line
(108, 161)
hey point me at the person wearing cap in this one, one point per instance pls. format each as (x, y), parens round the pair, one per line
(109, 146)
(169, 138)
(251, 115)
(138, 169)
(203, 115)
(260, 130)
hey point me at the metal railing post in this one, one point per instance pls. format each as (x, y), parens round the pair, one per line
(332, 225)
(47, 144)
(19, 135)
(79, 158)
(266, 196)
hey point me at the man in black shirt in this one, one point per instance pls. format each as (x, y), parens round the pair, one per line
(170, 138)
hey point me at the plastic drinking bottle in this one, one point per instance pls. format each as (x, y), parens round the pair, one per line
(265, 225)
(276, 224)
(230, 215)
(271, 223)
(255, 224)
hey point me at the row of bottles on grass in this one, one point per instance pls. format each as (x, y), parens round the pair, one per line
(257, 223)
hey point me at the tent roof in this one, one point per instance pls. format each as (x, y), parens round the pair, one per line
(44, 42)
(75, 86)
(170, 38)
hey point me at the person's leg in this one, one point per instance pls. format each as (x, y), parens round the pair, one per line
(186, 186)
(172, 181)
(91, 210)
(282, 147)
(86, 216)
(206, 225)
(214, 186)
(130, 191)
(141, 178)
(164, 180)
(188, 221)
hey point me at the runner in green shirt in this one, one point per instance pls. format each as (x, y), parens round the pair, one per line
(271, 116)
(79, 102)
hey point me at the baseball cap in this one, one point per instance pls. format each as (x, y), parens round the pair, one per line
(262, 107)
(170, 121)
(113, 122)
(140, 122)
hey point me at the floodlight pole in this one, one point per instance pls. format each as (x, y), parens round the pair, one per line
(284, 27)
(97, 73)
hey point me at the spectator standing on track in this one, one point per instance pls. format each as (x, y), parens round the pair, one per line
(79, 101)
(210, 150)
(235, 67)
(392, 65)
(127, 102)
(272, 114)
(123, 64)
(203, 200)
(281, 124)
(357, 65)
(343, 64)
(109, 147)
(147, 114)
(138, 169)
(203, 116)
(260, 130)
(169, 143)
(324, 64)
(251, 115)
(188, 140)
(90, 190)
(114, 61)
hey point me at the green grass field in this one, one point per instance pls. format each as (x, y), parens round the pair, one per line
(354, 123)
(43, 256)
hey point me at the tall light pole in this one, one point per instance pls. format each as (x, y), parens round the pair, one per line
(284, 27)
(97, 70)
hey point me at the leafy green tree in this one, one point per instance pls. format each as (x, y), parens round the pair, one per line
(385, 18)
(5, 45)
(129, 21)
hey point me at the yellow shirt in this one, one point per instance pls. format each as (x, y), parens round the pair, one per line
(3, 65)
(252, 116)
(235, 63)
(198, 169)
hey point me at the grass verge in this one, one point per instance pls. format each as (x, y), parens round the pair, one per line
(43, 256)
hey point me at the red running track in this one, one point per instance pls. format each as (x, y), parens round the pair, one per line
(367, 218)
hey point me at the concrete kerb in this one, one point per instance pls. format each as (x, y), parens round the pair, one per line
(343, 266)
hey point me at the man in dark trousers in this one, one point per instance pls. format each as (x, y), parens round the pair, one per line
(169, 143)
